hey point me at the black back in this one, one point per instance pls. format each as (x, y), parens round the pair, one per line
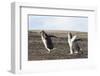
(48, 39)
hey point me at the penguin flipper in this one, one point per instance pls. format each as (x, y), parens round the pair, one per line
(73, 38)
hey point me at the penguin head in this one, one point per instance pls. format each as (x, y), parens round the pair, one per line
(42, 32)
(69, 35)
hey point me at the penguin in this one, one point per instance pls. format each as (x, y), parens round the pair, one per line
(47, 41)
(74, 43)
(70, 41)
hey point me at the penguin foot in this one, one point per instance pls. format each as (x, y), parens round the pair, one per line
(76, 52)
(71, 53)
(48, 51)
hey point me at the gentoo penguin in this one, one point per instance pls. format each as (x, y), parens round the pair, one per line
(47, 41)
(74, 44)
(70, 41)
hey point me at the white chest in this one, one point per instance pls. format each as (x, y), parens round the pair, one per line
(44, 40)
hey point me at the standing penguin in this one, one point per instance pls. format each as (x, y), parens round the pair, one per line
(74, 43)
(71, 39)
(47, 41)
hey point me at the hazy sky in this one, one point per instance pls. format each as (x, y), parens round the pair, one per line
(58, 23)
